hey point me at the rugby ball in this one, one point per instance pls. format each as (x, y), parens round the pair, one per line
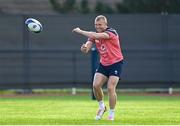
(33, 25)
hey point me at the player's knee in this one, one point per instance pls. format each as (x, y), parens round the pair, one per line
(111, 89)
(96, 86)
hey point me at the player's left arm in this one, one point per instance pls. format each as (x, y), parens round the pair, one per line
(92, 35)
(85, 48)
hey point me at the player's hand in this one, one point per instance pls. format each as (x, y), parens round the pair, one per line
(76, 30)
(84, 48)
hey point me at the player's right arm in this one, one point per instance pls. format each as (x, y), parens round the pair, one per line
(86, 47)
(92, 35)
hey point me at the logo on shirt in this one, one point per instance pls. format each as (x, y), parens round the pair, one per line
(103, 49)
(116, 72)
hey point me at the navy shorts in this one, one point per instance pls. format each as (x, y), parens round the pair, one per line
(111, 70)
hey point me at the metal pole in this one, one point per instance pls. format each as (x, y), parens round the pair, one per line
(74, 61)
(94, 63)
(26, 59)
(168, 64)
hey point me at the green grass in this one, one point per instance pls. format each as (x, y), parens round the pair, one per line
(59, 110)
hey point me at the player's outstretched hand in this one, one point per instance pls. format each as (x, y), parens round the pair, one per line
(76, 30)
(84, 48)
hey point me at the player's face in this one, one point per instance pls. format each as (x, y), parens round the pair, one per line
(100, 25)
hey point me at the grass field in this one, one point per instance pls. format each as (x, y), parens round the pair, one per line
(77, 110)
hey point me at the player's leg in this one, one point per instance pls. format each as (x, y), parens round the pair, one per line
(112, 83)
(99, 80)
(114, 76)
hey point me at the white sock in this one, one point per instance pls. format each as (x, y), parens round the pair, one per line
(101, 105)
(111, 112)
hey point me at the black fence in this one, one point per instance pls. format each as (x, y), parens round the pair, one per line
(43, 69)
(52, 59)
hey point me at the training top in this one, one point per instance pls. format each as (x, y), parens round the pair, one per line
(109, 49)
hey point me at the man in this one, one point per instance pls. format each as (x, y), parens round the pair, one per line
(111, 59)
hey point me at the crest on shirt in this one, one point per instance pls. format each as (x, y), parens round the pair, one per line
(103, 48)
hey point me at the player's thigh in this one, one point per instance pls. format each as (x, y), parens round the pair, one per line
(112, 82)
(99, 79)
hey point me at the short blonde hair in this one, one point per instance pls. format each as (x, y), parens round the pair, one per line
(101, 17)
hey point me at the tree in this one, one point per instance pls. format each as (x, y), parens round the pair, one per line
(103, 8)
(84, 7)
(65, 7)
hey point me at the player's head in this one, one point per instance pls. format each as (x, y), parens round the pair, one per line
(100, 23)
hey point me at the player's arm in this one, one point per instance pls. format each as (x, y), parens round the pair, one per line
(92, 35)
(86, 47)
